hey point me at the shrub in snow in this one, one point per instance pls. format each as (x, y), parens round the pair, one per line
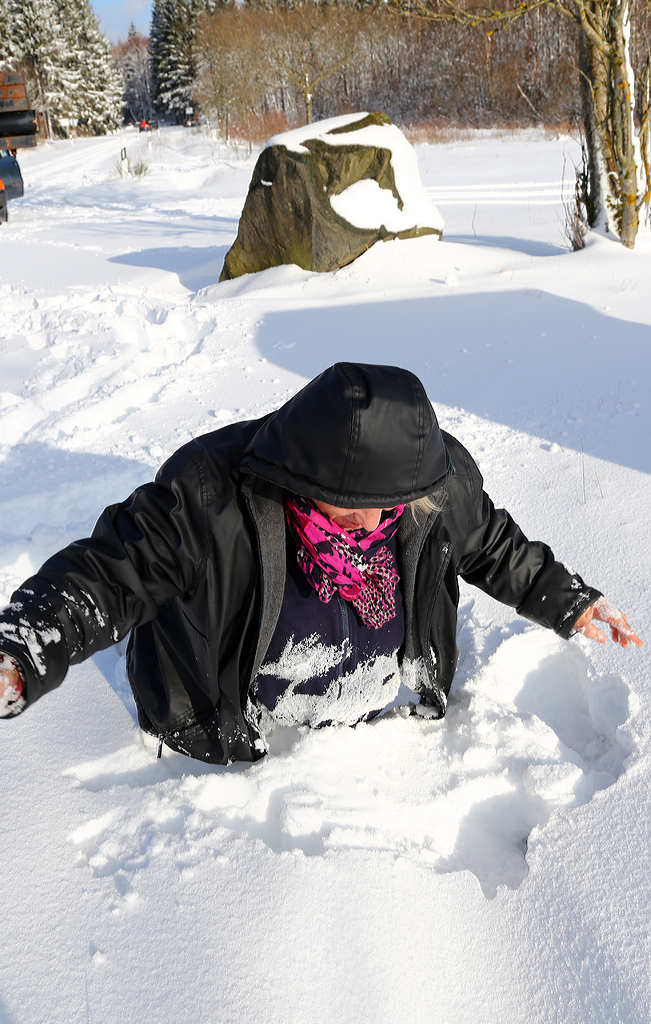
(321, 195)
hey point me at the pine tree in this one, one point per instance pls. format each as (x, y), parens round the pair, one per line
(155, 40)
(6, 48)
(171, 52)
(67, 62)
(92, 82)
(38, 51)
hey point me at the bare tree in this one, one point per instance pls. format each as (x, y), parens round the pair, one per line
(251, 60)
(424, 72)
(309, 44)
(232, 65)
(132, 58)
(251, 68)
(619, 183)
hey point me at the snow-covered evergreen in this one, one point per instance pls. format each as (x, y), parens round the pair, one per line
(5, 33)
(97, 98)
(171, 52)
(67, 62)
(37, 47)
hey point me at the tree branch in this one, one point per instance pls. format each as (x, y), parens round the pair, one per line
(477, 16)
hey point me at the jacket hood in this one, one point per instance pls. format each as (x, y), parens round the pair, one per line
(357, 436)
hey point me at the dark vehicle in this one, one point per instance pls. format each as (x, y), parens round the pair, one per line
(11, 176)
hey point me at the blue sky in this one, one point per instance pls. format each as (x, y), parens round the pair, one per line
(115, 16)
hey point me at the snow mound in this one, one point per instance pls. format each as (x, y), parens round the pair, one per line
(366, 205)
(536, 729)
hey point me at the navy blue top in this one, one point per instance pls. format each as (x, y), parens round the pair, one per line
(324, 651)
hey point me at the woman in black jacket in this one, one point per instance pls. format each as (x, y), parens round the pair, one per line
(291, 569)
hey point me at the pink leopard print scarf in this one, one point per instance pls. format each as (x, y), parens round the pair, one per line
(357, 565)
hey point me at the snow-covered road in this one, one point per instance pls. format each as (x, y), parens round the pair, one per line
(491, 867)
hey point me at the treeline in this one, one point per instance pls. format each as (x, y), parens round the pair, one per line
(255, 66)
(253, 63)
(70, 73)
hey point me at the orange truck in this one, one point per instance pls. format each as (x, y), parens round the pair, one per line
(18, 128)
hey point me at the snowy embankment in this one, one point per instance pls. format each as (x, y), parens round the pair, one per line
(490, 867)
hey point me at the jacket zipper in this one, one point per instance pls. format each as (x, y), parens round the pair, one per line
(246, 702)
(346, 643)
(446, 549)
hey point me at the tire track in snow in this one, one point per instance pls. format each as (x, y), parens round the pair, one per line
(118, 380)
(549, 193)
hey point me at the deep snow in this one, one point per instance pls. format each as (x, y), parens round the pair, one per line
(490, 867)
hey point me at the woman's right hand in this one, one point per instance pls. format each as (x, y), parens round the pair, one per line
(11, 687)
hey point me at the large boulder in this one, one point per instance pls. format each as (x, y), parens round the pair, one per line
(321, 195)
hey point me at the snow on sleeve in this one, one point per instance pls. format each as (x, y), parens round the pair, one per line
(12, 701)
(365, 204)
(33, 638)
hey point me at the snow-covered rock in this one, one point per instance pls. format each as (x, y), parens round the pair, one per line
(323, 194)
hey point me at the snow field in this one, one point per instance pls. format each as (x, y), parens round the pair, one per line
(492, 866)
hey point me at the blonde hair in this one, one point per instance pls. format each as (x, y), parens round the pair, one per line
(434, 502)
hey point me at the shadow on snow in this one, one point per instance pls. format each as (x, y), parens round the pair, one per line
(196, 266)
(532, 361)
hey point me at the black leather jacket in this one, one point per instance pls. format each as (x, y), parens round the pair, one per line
(193, 564)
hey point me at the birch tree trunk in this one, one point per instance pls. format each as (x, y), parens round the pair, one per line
(616, 172)
(593, 104)
(618, 159)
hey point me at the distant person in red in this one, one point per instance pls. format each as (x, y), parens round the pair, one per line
(296, 568)
(144, 125)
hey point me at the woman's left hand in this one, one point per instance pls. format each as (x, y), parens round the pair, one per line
(603, 611)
